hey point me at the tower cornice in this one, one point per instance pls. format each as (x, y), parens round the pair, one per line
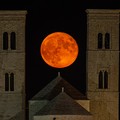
(103, 11)
(13, 12)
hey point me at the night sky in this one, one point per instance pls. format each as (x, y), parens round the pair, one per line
(45, 17)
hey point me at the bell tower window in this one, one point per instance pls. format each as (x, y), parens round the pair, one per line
(5, 41)
(13, 41)
(6, 82)
(100, 83)
(103, 80)
(9, 81)
(104, 43)
(107, 41)
(100, 40)
(9, 41)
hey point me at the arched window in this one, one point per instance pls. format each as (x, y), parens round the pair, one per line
(11, 82)
(5, 41)
(6, 82)
(13, 41)
(107, 41)
(100, 40)
(100, 83)
(105, 79)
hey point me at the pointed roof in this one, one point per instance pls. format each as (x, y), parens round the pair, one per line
(63, 104)
(54, 88)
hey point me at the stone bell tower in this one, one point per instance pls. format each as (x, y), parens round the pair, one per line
(103, 63)
(12, 65)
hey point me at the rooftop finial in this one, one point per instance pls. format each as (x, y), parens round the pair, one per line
(58, 74)
(62, 89)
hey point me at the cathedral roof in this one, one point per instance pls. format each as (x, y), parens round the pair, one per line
(63, 104)
(54, 88)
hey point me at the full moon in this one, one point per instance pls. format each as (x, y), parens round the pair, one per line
(59, 50)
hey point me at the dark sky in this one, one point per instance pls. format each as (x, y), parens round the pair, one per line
(45, 17)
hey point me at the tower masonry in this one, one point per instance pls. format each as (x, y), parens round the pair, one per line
(12, 65)
(103, 63)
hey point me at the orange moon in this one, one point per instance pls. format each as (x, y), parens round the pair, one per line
(59, 50)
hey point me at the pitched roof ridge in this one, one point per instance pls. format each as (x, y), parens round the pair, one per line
(50, 85)
(63, 104)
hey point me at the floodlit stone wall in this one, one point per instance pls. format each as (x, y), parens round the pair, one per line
(103, 101)
(12, 60)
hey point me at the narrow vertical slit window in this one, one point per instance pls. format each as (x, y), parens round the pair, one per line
(100, 40)
(11, 82)
(13, 41)
(6, 82)
(105, 79)
(100, 82)
(107, 41)
(5, 41)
